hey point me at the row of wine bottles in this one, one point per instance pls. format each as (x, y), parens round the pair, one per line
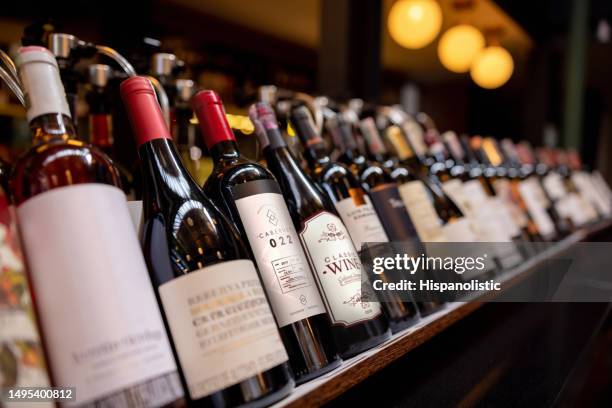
(252, 282)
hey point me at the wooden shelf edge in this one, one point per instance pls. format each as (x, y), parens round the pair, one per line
(353, 371)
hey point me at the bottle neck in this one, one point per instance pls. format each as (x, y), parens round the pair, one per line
(164, 176)
(225, 152)
(52, 127)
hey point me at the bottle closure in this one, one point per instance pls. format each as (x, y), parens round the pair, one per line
(211, 116)
(143, 110)
(41, 82)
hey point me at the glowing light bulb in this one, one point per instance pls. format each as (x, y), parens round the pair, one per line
(492, 67)
(459, 46)
(414, 23)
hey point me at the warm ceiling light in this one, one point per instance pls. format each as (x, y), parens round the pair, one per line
(458, 47)
(414, 23)
(492, 67)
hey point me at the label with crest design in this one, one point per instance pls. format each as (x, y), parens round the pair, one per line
(337, 269)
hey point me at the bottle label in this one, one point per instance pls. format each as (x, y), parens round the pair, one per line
(553, 183)
(360, 219)
(392, 212)
(503, 189)
(489, 217)
(583, 182)
(422, 212)
(337, 269)
(282, 265)
(98, 312)
(221, 325)
(25, 365)
(535, 205)
(460, 230)
(415, 134)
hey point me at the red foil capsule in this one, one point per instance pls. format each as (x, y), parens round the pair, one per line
(143, 110)
(211, 115)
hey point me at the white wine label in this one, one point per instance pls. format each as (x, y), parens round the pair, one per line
(221, 325)
(361, 220)
(98, 312)
(553, 183)
(454, 189)
(602, 186)
(491, 226)
(535, 205)
(503, 189)
(414, 133)
(337, 268)
(282, 265)
(584, 183)
(503, 213)
(460, 230)
(426, 220)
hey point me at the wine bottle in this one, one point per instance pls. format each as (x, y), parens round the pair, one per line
(103, 333)
(436, 217)
(480, 193)
(22, 361)
(400, 313)
(529, 189)
(539, 171)
(375, 180)
(187, 135)
(559, 185)
(101, 132)
(505, 180)
(357, 321)
(251, 196)
(226, 344)
(584, 182)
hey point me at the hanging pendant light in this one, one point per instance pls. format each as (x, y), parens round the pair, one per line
(492, 67)
(414, 24)
(459, 46)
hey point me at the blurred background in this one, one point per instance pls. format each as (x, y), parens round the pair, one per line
(533, 70)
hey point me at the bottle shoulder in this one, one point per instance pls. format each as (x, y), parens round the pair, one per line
(58, 164)
(336, 174)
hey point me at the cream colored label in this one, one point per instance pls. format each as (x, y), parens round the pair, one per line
(504, 191)
(361, 221)
(553, 183)
(280, 258)
(221, 325)
(338, 269)
(100, 320)
(424, 216)
(489, 218)
(535, 205)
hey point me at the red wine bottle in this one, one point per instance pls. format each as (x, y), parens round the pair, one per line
(375, 180)
(101, 132)
(251, 196)
(358, 323)
(226, 344)
(100, 322)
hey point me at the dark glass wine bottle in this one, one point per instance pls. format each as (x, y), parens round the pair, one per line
(525, 188)
(562, 189)
(225, 341)
(497, 183)
(539, 171)
(375, 180)
(357, 322)
(101, 132)
(251, 196)
(100, 323)
(436, 217)
(381, 204)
